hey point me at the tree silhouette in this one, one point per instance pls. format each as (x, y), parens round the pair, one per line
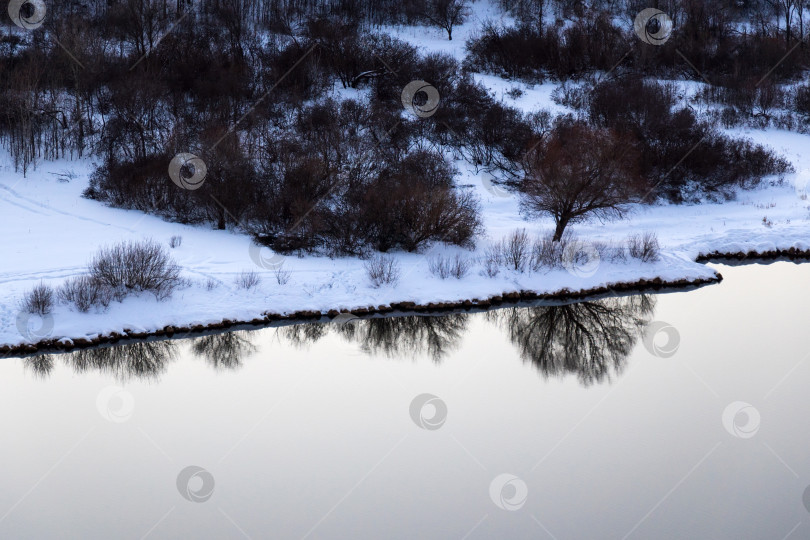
(578, 171)
(411, 335)
(139, 360)
(224, 350)
(407, 336)
(589, 339)
(41, 365)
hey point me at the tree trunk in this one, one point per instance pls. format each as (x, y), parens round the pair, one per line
(540, 18)
(560, 228)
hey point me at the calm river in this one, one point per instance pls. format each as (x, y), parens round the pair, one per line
(559, 422)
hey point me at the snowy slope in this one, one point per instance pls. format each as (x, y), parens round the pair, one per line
(50, 233)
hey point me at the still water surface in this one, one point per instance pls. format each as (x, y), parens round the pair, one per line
(541, 422)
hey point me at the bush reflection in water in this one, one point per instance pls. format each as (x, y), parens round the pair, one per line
(590, 340)
(148, 359)
(395, 337)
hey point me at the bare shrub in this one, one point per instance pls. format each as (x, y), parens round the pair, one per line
(445, 267)
(382, 270)
(492, 260)
(611, 251)
(38, 300)
(248, 279)
(438, 267)
(131, 267)
(515, 250)
(85, 292)
(459, 266)
(644, 247)
(211, 284)
(515, 92)
(282, 275)
(546, 252)
(175, 241)
(65, 175)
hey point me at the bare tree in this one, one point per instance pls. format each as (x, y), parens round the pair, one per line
(591, 340)
(446, 14)
(785, 9)
(579, 171)
(224, 350)
(800, 5)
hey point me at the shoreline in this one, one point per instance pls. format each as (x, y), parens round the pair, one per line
(506, 299)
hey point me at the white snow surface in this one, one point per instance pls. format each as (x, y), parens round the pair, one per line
(50, 233)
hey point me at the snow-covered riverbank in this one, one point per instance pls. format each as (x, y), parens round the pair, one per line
(50, 232)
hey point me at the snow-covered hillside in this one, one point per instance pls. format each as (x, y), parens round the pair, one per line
(50, 233)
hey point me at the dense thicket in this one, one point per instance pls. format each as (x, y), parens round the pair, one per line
(245, 86)
(138, 82)
(681, 156)
(731, 44)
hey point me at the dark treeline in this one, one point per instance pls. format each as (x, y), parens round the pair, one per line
(754, 53)
(732, 44)
(131, 85)
(241, 84)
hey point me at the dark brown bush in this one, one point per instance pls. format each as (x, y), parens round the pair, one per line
(644, 247)
(664, 135)
(85, 292)
(39, 300)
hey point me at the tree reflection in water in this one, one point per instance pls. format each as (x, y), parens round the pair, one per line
(147, 359)
(410, 335)
(591, 339)
(141, 360)
(224, 351)
(302, 335)
(41, 366)
(407, 336)
(588, 339)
